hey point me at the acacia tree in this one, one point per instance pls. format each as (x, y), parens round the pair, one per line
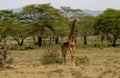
(109, 24)
(60, 27)
(6, 19)
(29, 8)
(47, 15)
(86, 26)
(6, 14)
(19, 32)
(4, 30)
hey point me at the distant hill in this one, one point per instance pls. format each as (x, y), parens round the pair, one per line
(87, 11)
(94, 13)
(17, 9)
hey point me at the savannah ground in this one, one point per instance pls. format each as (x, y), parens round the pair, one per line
(103, 63)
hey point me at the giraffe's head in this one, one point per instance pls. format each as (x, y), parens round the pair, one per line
(76, 19)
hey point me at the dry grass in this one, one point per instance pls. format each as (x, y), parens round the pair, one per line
(104, 63)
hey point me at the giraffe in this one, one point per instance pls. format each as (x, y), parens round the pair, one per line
(69, 44)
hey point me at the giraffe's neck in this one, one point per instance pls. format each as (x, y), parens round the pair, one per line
(72, 32)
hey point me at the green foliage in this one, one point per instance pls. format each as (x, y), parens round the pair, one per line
(19, 32)
(108, 24)
(5, 13)
(26, 46)
(5, 28)
(86, 24)
(93, 45)
(69, 12)
(29, 8)
(48, 22)
(19, 29)
(99, 45)
(82, 60)
(50, 57)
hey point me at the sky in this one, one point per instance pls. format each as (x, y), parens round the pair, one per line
(76, 4)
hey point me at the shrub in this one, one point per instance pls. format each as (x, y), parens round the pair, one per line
(4, 56)
(99, 45)
(51, 56)
(82, 60)
(26, 46)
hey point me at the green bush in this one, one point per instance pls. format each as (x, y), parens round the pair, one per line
(99, 45)
(82, 60)
(26, 46)
(51, 56)
(93, 45)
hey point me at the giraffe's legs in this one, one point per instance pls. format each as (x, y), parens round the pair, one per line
(64, 47)
(64, 57)
(64, 51)
(72, 50)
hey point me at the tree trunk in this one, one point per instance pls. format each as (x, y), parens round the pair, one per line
(102, 39)
(39, 41)
(57, 40)
(19, 41)
(114, 42)
(85, 38)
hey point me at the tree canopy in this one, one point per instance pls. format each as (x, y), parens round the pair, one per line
(109, 24)
(45, 21)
